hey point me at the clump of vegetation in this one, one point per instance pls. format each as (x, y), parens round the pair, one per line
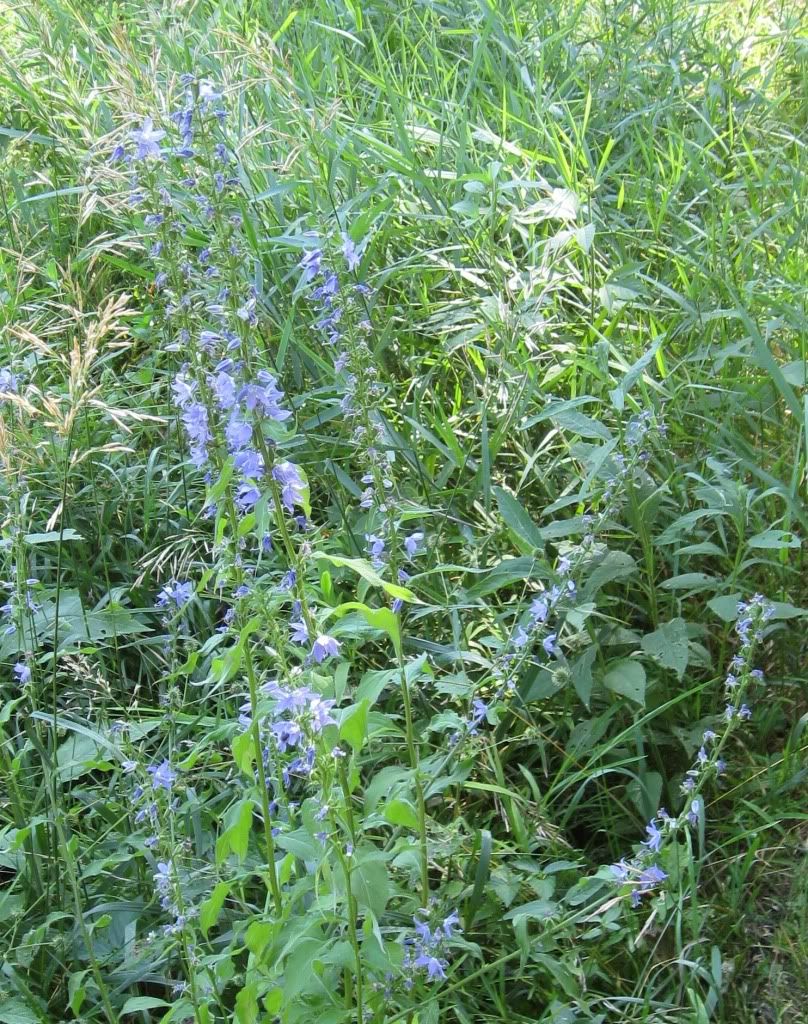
(402, 468)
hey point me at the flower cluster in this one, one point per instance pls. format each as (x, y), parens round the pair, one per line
(752, 615)
(640, 873)
(425, 950)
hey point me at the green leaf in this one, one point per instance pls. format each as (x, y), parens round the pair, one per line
(581, 672)
(76, 991)
(536, 910)
(236, 837)
(726, 606)
(247, 1004)
(77, 756)
(584, 426)
(518, 520)
(368, 573)
(300, 844)
(482, 872)
(693, 581)
(354, 724)
(15, 1011)
(243, 749)
(211, 908)
(627, 677)
(775, 540)
(137, 1003)
(401, 812)
(669, 646)
(377, 618)
(53, 536)
(369, 882)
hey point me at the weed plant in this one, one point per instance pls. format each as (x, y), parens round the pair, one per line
(403, 426)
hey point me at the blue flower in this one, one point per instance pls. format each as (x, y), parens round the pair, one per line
(300, 632)
(325, 647)
(320, 718)
(249, 463)
(195, 421)
(654, 837)
(224, 388)
(539, 609)
(412, 543)
(292, 486)
(22, 672)
(163, 776)
(266, 397)
(238, 432)
(647, 879)
(375, 548)
(175, 593)
(208, 93)
(434, 966)
(450, 922)
(310, 264)
(549, 644)
(287, 734)
(8, 382)
(246, 496)
(352, 252)
(146, 139)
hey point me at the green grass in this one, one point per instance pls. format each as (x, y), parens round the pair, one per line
(601, 204)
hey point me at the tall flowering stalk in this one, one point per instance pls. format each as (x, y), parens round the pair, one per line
(641, 874)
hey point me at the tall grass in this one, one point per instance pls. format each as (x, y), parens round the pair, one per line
(574, 384)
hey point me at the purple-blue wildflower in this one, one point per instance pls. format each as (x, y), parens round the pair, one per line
(163, 775)
(325, 647)
(146, 139)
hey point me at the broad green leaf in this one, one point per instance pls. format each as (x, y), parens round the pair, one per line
(243, 748)
(236, 836)
(52, 536)
(247, 1004)
(536, 910)
(210, 909)
(401, 812)
(627, 678)
(76, 990)
(669, 646)
(518, 520)
(138, 1003)
(354, 724)
(377, 618)
(368, 573)
(775, 540)
(369, 882)
(581, 672)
